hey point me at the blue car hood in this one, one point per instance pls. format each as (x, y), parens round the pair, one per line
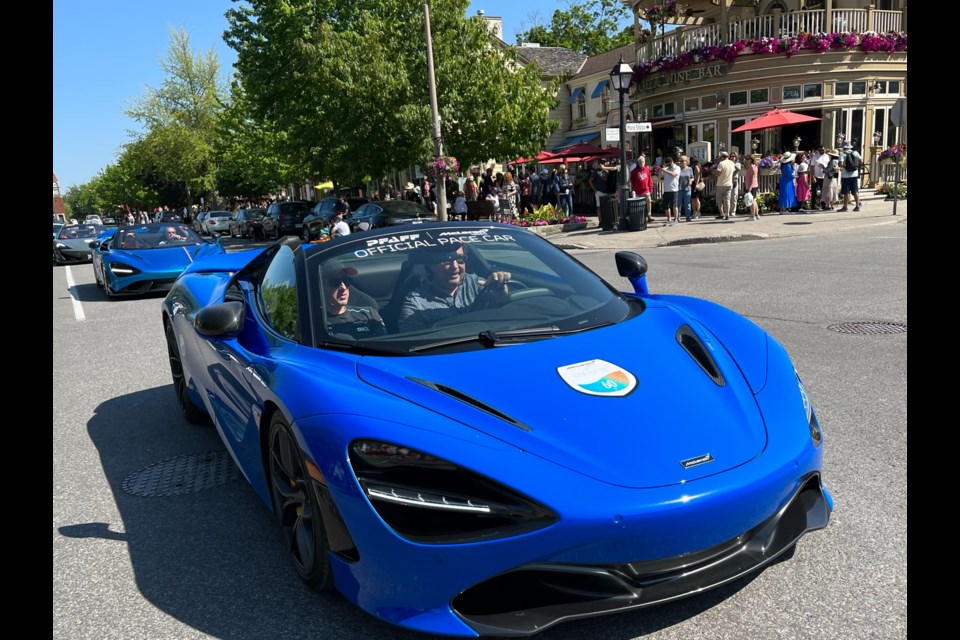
(158, 260)
(624, 404)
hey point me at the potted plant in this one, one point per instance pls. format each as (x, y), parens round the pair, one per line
(573, 223)
(769, 165)
(890, 155)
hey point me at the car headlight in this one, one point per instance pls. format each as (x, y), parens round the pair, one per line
(122, 269)
(815, 432)
(431, 500)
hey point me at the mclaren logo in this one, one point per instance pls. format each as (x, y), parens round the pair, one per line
(692, 462)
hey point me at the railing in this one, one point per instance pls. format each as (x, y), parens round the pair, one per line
(772, 26)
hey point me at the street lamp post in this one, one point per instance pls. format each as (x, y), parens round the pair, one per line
(620, 77)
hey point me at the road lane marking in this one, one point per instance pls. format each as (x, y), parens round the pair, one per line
(72, 288)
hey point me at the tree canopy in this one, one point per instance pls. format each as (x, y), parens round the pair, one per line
(347, 83)
(590, 27)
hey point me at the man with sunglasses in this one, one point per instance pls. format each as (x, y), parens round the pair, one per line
(358, 320)
(448, 290)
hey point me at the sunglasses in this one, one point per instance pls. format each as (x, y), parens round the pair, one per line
(450, 258)
(334, 283)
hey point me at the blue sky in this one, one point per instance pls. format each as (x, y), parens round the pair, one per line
(107, 52)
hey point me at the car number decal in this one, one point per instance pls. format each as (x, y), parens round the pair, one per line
(598, 378)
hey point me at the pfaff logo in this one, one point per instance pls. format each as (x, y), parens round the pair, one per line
(403, 238)
(692, 462)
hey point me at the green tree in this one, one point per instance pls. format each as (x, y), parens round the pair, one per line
(590, 27)
(346, 81)
(174, 152)
(249, 152)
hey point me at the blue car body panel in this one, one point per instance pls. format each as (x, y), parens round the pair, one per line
(666, 471)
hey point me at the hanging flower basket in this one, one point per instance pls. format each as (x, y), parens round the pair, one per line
(446, 167)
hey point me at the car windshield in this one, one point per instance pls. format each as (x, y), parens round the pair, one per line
(155, 236)
(440, 288)
(404, 208)
(77, 231)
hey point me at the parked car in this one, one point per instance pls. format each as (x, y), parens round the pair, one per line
(391, 458)
(71, 243)
(246, 223)
(285, 218)
(217, 222)
(92, 219)
(198, 221)
(141, 259)
(386, 213)
(169, 216)
(319, 218)
(56, 228)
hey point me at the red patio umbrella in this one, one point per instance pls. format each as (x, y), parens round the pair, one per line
(540, 157)
(773, 119)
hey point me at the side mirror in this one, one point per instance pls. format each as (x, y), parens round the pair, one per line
(220, 320)
(633, 267)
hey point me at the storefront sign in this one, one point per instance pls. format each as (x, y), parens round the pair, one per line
(683, 77)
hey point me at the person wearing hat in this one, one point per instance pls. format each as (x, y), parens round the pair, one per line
(788, 187)
(358, 319)
(448, 289)
(850, 180)
(410, 193)
(831, 180)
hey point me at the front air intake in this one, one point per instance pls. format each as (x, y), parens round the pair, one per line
(692, 344)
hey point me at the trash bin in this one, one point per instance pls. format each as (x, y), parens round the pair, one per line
(637, 214)
(608, 212)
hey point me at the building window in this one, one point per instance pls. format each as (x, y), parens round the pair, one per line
(708, 102)
(858, 88)
(813, 90)
(738, 141)
(691, 104)
(842, 89)
(737, 98)
(791, 92)
(658, 111)
(888, 87)
(581, 105)
(759, 96)
(670, 108)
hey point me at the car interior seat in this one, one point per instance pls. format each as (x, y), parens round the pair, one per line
(413, 272)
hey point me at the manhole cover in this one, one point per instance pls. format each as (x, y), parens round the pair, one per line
(869, 328)
(188, 473)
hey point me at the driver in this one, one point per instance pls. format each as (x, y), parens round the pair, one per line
(449, 289)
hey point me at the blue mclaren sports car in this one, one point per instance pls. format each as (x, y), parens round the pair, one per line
(140, 259)
(466, 432)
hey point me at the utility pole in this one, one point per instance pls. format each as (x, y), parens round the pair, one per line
(441, 187)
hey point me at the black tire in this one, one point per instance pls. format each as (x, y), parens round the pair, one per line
(190, 411)
(297, 507)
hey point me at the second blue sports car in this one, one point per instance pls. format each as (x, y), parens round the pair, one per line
(139, 259)
(466, 432)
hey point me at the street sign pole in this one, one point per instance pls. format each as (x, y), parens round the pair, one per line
(898, 118)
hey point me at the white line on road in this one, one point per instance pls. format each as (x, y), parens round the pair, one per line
(71, 287)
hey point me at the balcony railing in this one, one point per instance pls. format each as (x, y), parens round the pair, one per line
(772, 26)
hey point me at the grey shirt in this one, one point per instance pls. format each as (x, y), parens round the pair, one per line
(424, 306)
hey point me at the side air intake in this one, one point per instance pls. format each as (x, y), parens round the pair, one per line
(692, 344)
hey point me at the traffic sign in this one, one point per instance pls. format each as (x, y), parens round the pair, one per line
(638, 127)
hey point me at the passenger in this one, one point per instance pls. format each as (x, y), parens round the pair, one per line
(130, 241)
(358, 320)
(449, 290)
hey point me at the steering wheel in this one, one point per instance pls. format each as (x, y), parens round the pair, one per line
(516, 290)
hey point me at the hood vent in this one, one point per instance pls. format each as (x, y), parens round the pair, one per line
(692, 344)
(473, 402)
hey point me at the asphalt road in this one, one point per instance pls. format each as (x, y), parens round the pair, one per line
(205, 560)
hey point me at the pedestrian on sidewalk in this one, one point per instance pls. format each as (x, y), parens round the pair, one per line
(696, 191)
(818, 161)
(831, 180)
(671, 187)
(685, 187)
(850, 162)
(803, 184)
(724, 171)
(641, 183)
(751, 185)
(788, 191)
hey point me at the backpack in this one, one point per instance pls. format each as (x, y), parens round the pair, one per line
(850, 163)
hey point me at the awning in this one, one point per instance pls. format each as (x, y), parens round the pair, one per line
(576, 94)
(585, 138)
(599, 88)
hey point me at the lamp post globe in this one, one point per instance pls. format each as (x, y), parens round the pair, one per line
(620, 78)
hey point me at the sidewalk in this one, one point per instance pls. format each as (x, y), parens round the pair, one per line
(874, 210)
